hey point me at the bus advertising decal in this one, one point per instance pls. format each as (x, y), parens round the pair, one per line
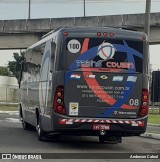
(131, 78)
(117, 79)
(103, 77)
(91, 53)
(106, 51)
(90, 76)
(106, 98)
(75, 76)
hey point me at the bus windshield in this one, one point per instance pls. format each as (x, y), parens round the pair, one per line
(115, 54)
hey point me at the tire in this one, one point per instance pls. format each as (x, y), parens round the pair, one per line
(42, 135)
(25, 125)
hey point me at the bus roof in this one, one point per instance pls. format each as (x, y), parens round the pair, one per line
(119, 33)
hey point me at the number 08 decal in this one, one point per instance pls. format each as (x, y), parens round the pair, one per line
(74, 46)
(134, 102)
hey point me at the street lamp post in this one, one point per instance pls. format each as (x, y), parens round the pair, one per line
(84, 5)
(147, 18)
(29, 9)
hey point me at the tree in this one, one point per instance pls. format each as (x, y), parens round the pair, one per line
(15, 66)
(4, 71)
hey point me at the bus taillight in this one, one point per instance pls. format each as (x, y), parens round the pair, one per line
(58, 102)
(144, 103)
(111, 34)
(105, 34)
(98, 34)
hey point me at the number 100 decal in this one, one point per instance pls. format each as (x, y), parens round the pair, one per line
(74, 46)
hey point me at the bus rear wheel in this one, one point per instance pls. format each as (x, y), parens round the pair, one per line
(25, 125)
(42, 135)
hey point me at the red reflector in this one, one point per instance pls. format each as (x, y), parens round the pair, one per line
(59, 108)
(65, 34)
(111, 34)
(98, 34)
(143, 111)
(105, 34)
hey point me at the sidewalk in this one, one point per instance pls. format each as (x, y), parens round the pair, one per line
(155, 125)
(149, 134)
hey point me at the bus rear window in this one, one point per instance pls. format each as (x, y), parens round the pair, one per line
(125, 55)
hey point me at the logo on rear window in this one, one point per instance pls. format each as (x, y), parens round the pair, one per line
(106, 51)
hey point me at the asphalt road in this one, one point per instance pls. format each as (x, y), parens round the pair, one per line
(13, 139)
(153, 129)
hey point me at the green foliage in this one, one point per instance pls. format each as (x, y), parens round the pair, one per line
(154, 119)
(15, 66)
(8, 107)
(4, 71)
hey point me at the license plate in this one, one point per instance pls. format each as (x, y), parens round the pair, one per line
(101, 127)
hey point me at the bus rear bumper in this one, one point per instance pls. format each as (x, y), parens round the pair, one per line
(85, 126)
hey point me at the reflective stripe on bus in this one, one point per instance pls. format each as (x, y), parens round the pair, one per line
(71, 121)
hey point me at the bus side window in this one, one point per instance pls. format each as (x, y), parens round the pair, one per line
(37, 54)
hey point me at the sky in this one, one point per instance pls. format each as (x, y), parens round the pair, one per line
(18, 9)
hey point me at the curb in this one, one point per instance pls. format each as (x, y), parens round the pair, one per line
(155, 125)
(4, 111)
(10, 112)
(8, 103)
(151, 135)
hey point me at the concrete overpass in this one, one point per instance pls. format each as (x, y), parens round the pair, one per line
(19, 34)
